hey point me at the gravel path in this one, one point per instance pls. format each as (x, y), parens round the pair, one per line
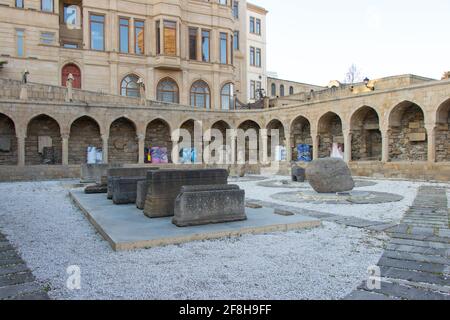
(51, 234)
(385, 212)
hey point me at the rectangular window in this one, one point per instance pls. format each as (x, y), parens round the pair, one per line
(139, 37)
(258, 58)
(193, 43)
(236, 9)
(252, 25)
(47, 38)
(170, 38)
(258, 26)
(158, 37)
(258, 90)
(20, 43)
(252, 56)
(47, 5)
(232, 51)
(252, 89)
(97, 27)
(124, 35)
(205, 45)
(68, 45)
(223, 48)
(236, 41)
(19, 3)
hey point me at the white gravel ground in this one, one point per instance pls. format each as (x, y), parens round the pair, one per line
(51, 234)
(386, 212)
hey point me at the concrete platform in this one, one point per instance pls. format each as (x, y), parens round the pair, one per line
(126, 228)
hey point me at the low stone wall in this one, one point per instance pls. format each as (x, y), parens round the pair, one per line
(36, 173)
(402, 170)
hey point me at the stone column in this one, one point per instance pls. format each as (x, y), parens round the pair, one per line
(315, 138)
(105, 139)
(431, 132)
(65, 149)
(384, 146)
(264, 150)
(347, 146)
(141, 146)
(287, 134)
(21, 150)
(175, 150)
(232, 159)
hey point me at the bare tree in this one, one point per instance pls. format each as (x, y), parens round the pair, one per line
(353, 75)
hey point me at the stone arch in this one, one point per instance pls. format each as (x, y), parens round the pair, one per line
(158, 134)
(330, 132)
(275, 124)
(443, 132)
(222, 126)
(8, 141)
(123, 145)
(245, 147)
(43, 144)
(300, 134)
(366, 135)
(408, 139)
(84, 132)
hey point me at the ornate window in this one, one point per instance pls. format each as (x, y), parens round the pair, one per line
(130, 87)
(227, 97)
(167, 91)
(200, 95)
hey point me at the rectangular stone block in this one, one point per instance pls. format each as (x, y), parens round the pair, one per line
(124, 172)
(141, 194)
(200, 205)
(125, 189)
(165, 185)
(94, 172)
(417, 137)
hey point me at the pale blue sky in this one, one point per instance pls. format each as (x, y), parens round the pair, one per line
(316, 41)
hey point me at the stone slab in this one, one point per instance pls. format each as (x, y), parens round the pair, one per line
(125, 189)
(165, 185)
(141, 194)
(202, 205)
(126, 228)
(125, 172)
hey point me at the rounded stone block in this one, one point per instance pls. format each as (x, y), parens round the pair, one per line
(330, 175)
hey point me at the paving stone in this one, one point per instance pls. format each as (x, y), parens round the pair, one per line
(8, 255)
(7, 248)
(415, 276)
(382, 227)
(411, 265)
(33, 296)
(19, 289)
(10, 262)
(16, 278)
(444, 233)
(363, 295)
(406, 292)
(417, 243)
(415, 257)
(420, 237)
(416, 249)
(422, 231)
(13, 269)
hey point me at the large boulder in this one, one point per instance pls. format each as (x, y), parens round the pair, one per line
(329, 175)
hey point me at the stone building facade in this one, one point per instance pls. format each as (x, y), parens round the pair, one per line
(182, 50)
(399, 127)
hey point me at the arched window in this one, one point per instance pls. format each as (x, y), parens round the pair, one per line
(291, 90)
(130, 87)
(274, 90)
(200, 96)
(76, 73)
(282, 91)
(167, 91)
(227, 97)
